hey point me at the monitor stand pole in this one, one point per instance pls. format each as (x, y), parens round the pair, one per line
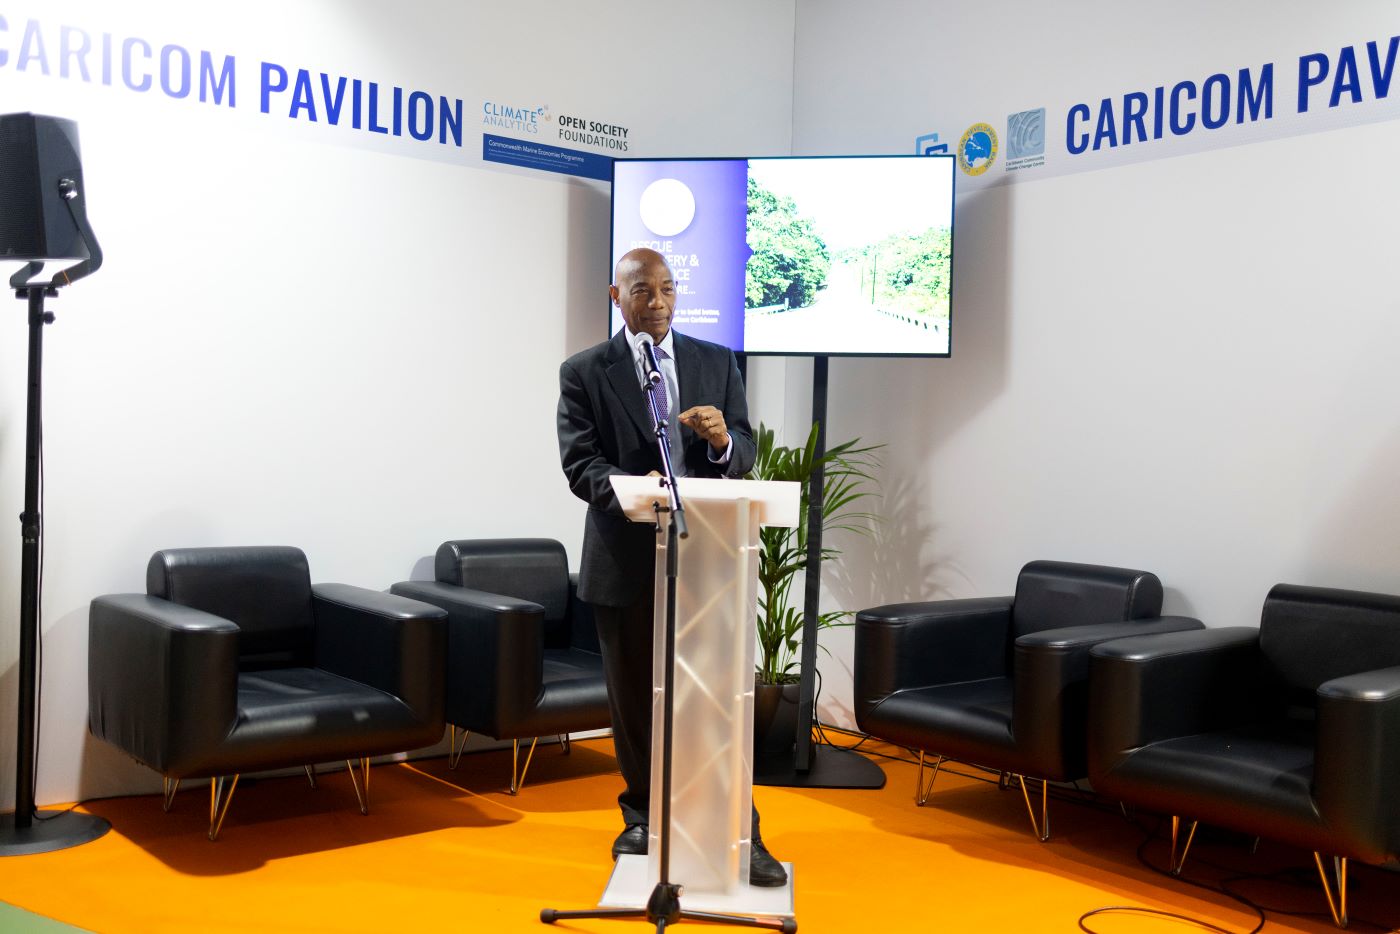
(813, 765)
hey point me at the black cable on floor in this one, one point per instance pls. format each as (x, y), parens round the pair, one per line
(1309, 884)
(1076, 795)
(1151, 835)
(1220, 888)
(1154, 912)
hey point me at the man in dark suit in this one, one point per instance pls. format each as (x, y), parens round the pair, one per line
(606, 428)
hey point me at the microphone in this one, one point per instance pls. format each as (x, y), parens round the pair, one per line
(650, 369)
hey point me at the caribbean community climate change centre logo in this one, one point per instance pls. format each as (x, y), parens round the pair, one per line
(977, 149)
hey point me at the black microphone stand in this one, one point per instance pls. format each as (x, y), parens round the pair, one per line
(663, 908)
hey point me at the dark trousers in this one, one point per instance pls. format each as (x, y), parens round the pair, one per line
(625, 637)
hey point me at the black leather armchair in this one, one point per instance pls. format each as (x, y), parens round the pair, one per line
(233, 662)
(522, 648)
(1000, 681)
(1290, 731)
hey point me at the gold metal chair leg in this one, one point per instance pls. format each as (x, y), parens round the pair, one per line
(455, 756)
(517, 782)
(311, 776)
(219, 800)
(171, 785)
(1180, 864)
(564, 738)
(1337, 906)
(1042, 829)
(361, 793)
(923, 789)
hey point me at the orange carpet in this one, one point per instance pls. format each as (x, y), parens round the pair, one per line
(452, 850)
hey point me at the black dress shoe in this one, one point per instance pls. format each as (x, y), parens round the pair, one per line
(633, 842)
(764, 870)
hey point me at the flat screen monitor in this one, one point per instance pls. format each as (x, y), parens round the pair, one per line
(829, 255)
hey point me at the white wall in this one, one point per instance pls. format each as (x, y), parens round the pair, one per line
(1183, 364)
(309, 336)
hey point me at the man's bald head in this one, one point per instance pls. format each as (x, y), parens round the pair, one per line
(634, 261)
(644, 290)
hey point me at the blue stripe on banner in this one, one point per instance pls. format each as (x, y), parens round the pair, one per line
(542, 156)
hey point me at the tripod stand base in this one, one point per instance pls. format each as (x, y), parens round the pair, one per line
(629, 887)
(57, 830)
(831, 768)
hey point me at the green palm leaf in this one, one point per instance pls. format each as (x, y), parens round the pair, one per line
(848, 471)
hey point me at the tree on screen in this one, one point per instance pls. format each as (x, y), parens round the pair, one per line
(906, 274)
(790, 261)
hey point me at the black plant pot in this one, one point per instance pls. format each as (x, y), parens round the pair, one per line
(774, 723)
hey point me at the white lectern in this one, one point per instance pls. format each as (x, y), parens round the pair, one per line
(712, 750)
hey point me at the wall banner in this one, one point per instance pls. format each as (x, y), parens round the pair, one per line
(1101, 127)
(351, 109)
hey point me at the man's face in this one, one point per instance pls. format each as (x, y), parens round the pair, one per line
(646, 295)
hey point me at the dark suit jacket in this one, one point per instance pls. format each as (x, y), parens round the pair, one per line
(605, 429)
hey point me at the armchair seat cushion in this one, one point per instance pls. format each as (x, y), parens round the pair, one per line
(575, 694)
(972, 720)
(1249, 776)
(565, 665)
(292, 716)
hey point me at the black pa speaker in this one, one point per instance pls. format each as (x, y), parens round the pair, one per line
(39, 159)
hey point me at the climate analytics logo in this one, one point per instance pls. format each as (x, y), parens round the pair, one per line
(977, 149)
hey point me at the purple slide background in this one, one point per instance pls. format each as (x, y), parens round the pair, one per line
(717, 238)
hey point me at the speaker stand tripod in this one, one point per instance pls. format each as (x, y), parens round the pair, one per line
(27, 830)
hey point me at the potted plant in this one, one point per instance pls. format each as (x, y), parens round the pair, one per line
(847, 472)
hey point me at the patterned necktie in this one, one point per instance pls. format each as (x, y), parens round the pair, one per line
(663, 404)
(663, 401)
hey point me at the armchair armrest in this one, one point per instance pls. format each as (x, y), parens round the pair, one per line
(388, 642)
(162, 679)
(1048, 660)
(1175, 684)
(1358, 757)
(910, 645)
(495, 651)
(1051, 699)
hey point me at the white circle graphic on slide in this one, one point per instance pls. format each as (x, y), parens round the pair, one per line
(667, 207)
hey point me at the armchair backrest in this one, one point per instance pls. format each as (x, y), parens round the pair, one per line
(266, 590)
(1309, 635)
(1057, 594)
(534, 569)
